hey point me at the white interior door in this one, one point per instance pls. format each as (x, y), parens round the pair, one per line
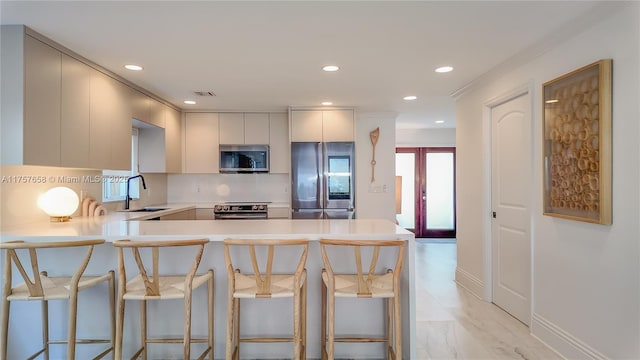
(511, 200)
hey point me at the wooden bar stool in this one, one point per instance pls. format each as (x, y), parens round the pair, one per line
(153, 286)
(39, 285)
(264, 284)
(362, 285)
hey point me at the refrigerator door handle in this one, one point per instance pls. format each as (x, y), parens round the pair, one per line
(321, 175)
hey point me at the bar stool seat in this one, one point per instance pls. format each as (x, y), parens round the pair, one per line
(171, 287)
(381, 286)
(281, 286)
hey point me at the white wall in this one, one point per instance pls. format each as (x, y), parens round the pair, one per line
(375, 200)
(426, 137)
(212, 188)
(586, 277)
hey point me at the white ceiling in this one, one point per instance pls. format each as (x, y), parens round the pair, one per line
(268, 55)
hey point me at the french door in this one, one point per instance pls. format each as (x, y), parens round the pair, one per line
(425, 191)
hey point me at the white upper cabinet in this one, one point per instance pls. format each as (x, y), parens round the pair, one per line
(110, 123)
(140, 106)
(231, 128)
(256, 128)
(337, 125)
(156, 113)
(41, 123)
(59, 111)
(279, 148)
(306, 125)
(244, 128)
(201, 147)
(75, 113)
(173, 140)
(322, 125)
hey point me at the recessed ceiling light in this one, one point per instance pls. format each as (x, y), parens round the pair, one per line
(439, 121)
(330, 68)
(327, 103)
(189, 102)
(133, 67)
(444, 69)
(410, 97)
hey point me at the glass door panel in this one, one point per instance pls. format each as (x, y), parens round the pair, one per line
(427, 191)
(405, 169)
(439, 191)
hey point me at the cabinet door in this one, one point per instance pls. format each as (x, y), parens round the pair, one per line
(120, 127)
(256, 128)
(102, 96)
(231, 128)
(201, 143)
(42, 76)
(173, 138)
(337, 125)
(156, 113)
(306, 125)
(204, 214)
(110, 123)
(75, 113)
(140, 104)
(279, 148)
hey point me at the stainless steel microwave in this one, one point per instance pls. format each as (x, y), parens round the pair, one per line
(244, 158)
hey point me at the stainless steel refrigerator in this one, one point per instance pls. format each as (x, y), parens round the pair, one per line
(322, 180)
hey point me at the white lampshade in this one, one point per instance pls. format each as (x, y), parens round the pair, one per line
(59, 203)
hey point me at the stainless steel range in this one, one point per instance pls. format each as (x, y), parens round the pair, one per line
(237, 211)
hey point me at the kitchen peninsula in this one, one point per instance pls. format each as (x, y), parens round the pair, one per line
(135, 225)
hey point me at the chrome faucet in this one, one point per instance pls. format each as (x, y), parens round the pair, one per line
(127, 197)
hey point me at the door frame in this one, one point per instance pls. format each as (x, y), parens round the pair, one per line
(523, 89)
(420, 183)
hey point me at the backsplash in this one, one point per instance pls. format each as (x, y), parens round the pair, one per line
(204, 188)
(20, 187)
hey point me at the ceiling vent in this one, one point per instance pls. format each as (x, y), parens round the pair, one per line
(204, 93)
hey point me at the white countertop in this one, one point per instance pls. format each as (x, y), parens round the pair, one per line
(132, 225)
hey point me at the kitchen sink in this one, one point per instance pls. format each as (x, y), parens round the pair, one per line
(147, 209)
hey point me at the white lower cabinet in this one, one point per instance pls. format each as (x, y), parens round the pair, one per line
(204, 214)
(181, 215)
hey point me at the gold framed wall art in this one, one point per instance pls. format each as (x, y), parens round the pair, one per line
(577, 144)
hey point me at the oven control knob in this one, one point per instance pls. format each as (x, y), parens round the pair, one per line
(261, 207)
(254, 207)
(217, 208)
(226, 208)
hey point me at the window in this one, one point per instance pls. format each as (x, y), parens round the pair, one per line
(114, 186)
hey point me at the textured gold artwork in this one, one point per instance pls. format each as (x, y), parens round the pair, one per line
(577, 144)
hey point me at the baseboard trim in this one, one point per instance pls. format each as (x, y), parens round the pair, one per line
(565, 344)
(469, 282)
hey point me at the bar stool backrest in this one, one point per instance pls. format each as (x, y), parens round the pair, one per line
(263, 277)
(34, 285)
(364, 277)
(151, 281)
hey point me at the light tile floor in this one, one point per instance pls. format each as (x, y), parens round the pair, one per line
(454, 324)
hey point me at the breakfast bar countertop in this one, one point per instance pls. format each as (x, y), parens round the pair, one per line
(135, 225)
(138, 226)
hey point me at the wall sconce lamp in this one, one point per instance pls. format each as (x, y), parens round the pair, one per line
(59, 203)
